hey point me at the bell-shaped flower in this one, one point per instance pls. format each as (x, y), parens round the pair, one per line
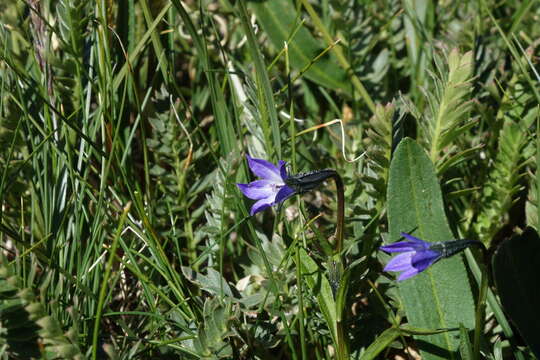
(271, 188)
(417, 255)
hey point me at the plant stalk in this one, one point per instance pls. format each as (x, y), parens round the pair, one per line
(342, 349)
(481, 307)
(341, 213)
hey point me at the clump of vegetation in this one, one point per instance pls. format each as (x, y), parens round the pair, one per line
(126, 128)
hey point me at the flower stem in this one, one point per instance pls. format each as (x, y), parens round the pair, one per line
(480, 317)
(301, 321)
(342, 348)
(342, 344)
(341, 212)
(480, 309)
(308, 181)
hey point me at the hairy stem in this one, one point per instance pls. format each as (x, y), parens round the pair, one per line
(341, 212)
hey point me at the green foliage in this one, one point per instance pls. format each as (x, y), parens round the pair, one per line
(449, 106)
(26, 327)
(531, 207)
(168, 148)
(211, 342)
(379, 142)
(156, 103)
(279, 20)
(505, 181)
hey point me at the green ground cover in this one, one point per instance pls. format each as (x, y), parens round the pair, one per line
(124, 129)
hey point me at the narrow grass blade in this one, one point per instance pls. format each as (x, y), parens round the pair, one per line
(268, 111)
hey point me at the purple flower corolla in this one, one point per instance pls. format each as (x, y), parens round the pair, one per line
(416, 256)
(271, 188)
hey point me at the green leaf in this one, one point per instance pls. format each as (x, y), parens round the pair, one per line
(213, 282)
(25, 324)
(504, 185)
(515, 271)
(465, 348)
(449, 105)
(382, 342)
(279, 18)
(389, 335)
(440, 297)
(379, 142)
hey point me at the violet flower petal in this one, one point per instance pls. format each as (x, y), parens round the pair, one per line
(264, 169)
(284, 193)
(400, 246)
(400, 262)
(270, 188)
(424, 259)
(412, 244)
(416, 256)
(258, 189)
(407, 274)
(414, 239)
(261, 205)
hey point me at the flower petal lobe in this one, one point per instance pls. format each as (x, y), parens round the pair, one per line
(264, 169)
(256, 190)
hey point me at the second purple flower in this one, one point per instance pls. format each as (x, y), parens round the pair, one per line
(417, 255)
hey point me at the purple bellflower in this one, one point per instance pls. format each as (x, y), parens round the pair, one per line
(417, 255)
(271, 189)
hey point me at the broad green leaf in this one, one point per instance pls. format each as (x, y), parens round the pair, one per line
(515, 271)
(279, 19)
(440, 297)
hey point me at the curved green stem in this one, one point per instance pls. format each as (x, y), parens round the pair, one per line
(341, 213)
(342, 349)
(480, 309)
